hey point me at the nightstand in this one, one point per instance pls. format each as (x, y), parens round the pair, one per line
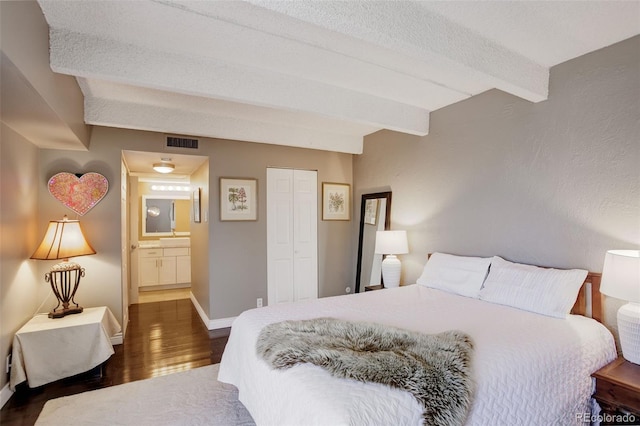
(618, 388)
(47, 349)
(373, 287)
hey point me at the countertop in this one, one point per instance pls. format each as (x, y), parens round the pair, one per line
(179, 242)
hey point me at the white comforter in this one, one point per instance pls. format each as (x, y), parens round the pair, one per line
(527, 368)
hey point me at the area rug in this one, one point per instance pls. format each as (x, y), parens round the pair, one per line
(193, 397)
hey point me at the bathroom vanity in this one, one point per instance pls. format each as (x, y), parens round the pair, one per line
(164, 262)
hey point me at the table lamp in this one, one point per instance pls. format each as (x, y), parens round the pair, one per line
(64, 239)
(621, 279)
(391, 243)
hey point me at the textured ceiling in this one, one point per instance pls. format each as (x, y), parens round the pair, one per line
(316, 74)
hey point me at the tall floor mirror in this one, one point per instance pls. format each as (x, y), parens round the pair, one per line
(375, 215)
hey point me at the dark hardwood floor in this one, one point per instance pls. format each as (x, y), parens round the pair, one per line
(162, 338)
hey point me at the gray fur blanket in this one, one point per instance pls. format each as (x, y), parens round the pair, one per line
(435, 369)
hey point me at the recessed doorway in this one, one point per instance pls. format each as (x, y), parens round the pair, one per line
(160, 259)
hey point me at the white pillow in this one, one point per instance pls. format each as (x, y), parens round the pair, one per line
(455, 274)
(545, 291)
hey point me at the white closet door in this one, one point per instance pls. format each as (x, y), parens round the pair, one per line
(292, 216)
(305, 234)
(279, 236)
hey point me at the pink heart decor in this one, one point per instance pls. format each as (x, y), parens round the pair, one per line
(80, 194)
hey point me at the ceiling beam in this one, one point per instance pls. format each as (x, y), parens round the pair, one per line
(412, 29)
(26, 110)
(44, 107)
(108, 59)
(129, 115)
(106, 90)
(236, 32)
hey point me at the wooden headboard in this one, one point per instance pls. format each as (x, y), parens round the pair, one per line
(589, 294)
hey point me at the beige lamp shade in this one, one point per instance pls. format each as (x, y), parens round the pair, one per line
(391, 242)
(621, 279)
(621, 275)
(63, 239)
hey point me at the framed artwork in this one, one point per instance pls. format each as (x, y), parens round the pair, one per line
(79, 192)
(196, 206)
(336, 201)
(371, 211)
(238, 199)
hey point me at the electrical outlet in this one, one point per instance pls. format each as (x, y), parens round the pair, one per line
(259, 302)
(8, 363)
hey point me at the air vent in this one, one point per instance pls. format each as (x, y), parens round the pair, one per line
(174, 142)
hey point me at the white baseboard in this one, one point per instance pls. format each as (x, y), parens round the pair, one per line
(5, 394)
(117, 339)
(209, 323)
(220, 323)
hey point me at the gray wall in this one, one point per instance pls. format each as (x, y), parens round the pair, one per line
(200, 263)
(37, 106)
(22, 287)
(555, 183)
(235, 257)
(238, 268)
(102, 284)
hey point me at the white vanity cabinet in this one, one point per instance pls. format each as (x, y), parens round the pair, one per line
(182, 263)
(183, 269)
(163, 266)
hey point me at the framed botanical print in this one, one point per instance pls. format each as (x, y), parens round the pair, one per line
(336, 201)
(238, 199)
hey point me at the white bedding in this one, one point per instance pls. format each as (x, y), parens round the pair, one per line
(527, 368)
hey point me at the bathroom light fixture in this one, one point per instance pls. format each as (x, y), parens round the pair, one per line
(178, 188)
(164, 166)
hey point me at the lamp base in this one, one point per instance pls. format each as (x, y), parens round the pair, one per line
(629, 331)
(65, 279)
(391, 269)
(65, 311)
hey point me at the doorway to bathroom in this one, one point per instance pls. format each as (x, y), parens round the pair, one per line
(161, 215)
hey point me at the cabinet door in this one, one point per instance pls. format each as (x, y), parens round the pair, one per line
(167, 272)
(148, 271)
(183, 269)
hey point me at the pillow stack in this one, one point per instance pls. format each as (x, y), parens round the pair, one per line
(545, 291)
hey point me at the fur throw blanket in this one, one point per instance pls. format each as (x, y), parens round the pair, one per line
(435, 369)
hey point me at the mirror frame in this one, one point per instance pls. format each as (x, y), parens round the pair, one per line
(387, 225)
(143, 214)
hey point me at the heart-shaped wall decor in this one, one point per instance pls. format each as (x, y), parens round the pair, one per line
(79, 193)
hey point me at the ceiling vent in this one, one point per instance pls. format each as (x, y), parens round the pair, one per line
(174, 142)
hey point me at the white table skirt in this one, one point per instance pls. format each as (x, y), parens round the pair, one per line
(46, 349)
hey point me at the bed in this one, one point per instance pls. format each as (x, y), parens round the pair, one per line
(531, 363)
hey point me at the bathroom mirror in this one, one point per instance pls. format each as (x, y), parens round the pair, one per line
(375, 215)
(163, 216)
